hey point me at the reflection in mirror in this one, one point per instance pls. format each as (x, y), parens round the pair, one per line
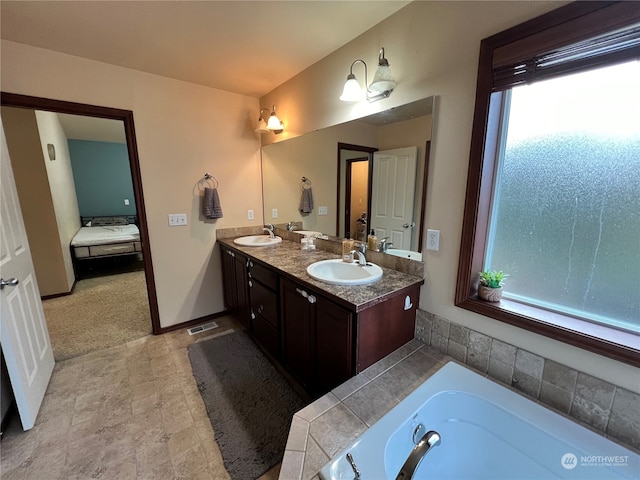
(313, 155)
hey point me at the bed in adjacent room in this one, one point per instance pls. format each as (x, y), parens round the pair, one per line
(102, 237)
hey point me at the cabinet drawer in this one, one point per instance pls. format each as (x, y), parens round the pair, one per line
(266, 335)
(264, 302)
(268, 277)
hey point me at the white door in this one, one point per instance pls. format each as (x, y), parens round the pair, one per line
(23, 331)
(393, 195)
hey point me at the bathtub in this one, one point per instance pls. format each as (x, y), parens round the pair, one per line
(486, 432)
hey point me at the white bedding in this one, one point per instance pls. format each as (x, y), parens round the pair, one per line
(91, 236)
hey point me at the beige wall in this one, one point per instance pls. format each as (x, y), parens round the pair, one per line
(182, 130)
(63, 190)
(432, 48)
(36, 202)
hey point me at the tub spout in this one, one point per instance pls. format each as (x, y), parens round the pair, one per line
(427, 441)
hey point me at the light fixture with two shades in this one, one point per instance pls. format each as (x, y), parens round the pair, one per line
(273, 124)
(381, 86)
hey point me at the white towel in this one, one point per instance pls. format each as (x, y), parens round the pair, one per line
(211, 203)
(306, 201)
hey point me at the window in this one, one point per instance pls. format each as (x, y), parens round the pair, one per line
(553, 193)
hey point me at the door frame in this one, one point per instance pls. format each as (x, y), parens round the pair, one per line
(60, 106)
(368, 151)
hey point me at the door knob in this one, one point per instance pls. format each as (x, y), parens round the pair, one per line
(12, 282)
(407, 225)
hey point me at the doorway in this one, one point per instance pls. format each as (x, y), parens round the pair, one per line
(126, 116)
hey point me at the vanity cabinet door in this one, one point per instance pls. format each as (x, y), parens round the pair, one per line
(333, 345)
(296, 315)
(317, 338)
(235, 284)
(263, 295)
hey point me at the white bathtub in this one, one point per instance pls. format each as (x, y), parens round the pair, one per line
(486, 432)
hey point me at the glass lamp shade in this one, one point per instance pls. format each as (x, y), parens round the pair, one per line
(352, 91)
(262, 126)
(274, 123)
(382, 80)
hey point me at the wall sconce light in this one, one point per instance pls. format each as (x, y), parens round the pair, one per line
(273, 124)
(381, 86)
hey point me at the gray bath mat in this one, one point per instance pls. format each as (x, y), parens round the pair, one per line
(249, 403)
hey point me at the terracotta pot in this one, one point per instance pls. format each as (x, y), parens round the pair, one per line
(489, 294)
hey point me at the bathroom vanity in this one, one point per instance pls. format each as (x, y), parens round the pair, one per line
(322, 334)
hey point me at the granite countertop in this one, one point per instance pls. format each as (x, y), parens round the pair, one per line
(291, 261)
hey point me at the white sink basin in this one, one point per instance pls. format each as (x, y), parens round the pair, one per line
(311, 233)
(257, 241)
(411, 255)
(337, 272)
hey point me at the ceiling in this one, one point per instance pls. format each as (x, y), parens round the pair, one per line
(245, 47)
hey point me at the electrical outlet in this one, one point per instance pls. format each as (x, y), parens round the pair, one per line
(433, 239)
(274, 213)
(323, 210)
(177, 219)
(249, 214)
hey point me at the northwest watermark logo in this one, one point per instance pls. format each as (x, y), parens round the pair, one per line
(569, 461)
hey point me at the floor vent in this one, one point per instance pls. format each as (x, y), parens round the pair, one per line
(202, 328)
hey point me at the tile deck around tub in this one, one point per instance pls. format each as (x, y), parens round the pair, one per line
(332, 422)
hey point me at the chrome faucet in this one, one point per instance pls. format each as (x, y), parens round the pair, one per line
(269, 228)
(416, 456)
(290, 226)
(385, 244)
(359, 252)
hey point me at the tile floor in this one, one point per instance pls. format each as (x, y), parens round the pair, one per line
(128, 412)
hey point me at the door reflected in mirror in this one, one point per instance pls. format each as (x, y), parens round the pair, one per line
(349, 182)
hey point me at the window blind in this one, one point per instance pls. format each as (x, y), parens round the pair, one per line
(604, 37)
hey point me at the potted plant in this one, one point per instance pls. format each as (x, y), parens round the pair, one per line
(490, 287)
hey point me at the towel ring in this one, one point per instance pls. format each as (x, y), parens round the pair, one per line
(208, 181)
(306, 184)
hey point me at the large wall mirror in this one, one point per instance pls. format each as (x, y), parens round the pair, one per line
(365, 174)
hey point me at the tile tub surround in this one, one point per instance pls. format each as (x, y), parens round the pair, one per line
(290, 260)
(334, 421)
(597, 404)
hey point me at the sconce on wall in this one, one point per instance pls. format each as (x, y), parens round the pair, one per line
(273, 124)
(381, 86)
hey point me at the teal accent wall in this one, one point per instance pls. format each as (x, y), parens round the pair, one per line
(102, 177)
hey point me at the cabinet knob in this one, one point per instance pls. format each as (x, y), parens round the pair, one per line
(253, 316)
(312, 299)
(302, 292)
(250, 283)
(260, 308)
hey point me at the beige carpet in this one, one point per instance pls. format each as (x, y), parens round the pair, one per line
(101, 312)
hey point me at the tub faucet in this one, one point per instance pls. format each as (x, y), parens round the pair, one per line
(384, 244)
(423, 445)
(269, 228)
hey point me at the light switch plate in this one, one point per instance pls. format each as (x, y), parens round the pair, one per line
(323, 210)
(433, 239)
(177, 219)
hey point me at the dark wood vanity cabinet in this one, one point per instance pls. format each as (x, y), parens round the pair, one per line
(321, 340)
(235, 286)
(264, 307)
(317, 338)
